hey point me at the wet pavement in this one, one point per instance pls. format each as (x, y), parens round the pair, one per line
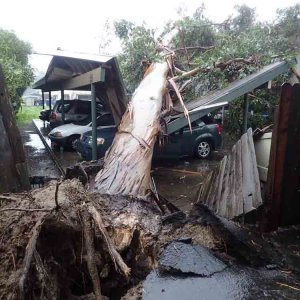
(38, 160)
(176, 179)
(65, 157)
(179, 180)
(234, 283)
(188, 271)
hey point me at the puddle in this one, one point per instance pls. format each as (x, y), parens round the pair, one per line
(233, 283)
(34, 141)
(178, 180)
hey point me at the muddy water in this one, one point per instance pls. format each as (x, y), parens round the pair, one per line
(38, 159)
(178, 180)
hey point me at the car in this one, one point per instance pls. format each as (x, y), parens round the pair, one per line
(45, 115)
(206, 137)
(65, 135)
(76, 111)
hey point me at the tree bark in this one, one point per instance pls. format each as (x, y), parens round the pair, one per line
(12, 156)
(127, 164)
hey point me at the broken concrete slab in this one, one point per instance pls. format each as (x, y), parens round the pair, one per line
(184, 258)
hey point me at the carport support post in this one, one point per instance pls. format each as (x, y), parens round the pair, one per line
(94, 125)
(50, 100)
(62, 97)
(43, 99)
(245, 113)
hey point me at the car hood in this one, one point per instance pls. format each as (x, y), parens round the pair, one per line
(69, 129)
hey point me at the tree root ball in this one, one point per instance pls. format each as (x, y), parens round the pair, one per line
(61, 242)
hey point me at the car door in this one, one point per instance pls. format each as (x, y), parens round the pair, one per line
(189, 138)
(171, 146)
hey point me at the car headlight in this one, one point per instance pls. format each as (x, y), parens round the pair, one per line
(100, 141)
(57, 134)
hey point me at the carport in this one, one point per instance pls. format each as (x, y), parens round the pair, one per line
(96, 73)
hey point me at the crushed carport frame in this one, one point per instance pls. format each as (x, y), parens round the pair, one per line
(202, 106)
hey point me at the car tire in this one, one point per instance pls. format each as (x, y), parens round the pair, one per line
(71, 140)
(203, 149)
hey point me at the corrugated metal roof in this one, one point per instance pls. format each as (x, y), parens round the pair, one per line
(65, 65)
(199, 107)
(78, 55)
(240, 87)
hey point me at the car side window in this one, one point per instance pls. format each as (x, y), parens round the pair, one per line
(67, 107)
(105, 120)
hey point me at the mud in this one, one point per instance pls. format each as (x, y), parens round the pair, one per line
(178, 180)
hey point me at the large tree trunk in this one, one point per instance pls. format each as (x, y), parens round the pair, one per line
(12, 156)
(128, 162)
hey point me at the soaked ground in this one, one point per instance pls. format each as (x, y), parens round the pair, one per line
(38, 159)
(176, 179)
(179, 180)
(64, 157)
(234, 283)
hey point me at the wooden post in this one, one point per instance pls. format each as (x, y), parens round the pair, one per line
(282, 205)
(245, 113)
(13, 166)
(290, 210)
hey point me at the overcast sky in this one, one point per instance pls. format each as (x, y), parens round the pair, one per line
(76, 25)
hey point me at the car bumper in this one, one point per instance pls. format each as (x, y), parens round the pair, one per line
(218, 142)
(59, 141)
(85, 150)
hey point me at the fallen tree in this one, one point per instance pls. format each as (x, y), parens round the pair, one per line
(63, 242)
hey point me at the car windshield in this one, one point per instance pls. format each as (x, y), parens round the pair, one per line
(104, 120)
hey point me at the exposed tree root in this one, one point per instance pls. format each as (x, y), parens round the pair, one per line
(90, 249)
(85, 249)
(30, 248)
(116, 257)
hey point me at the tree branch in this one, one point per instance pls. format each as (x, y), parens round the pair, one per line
(194, 48)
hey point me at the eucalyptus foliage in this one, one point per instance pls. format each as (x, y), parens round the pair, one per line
(14, 61)
(241, 36)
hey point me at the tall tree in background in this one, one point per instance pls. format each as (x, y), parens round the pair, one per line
(219, 52)
(14, 60)
(138, 44)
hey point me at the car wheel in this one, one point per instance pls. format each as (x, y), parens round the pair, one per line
(203, 149)
(72, 140)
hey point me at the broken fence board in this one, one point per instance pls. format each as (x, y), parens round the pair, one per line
(234, 188)
(257, 200)
(238, 180)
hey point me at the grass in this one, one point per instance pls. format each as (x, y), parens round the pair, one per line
(27, 113)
